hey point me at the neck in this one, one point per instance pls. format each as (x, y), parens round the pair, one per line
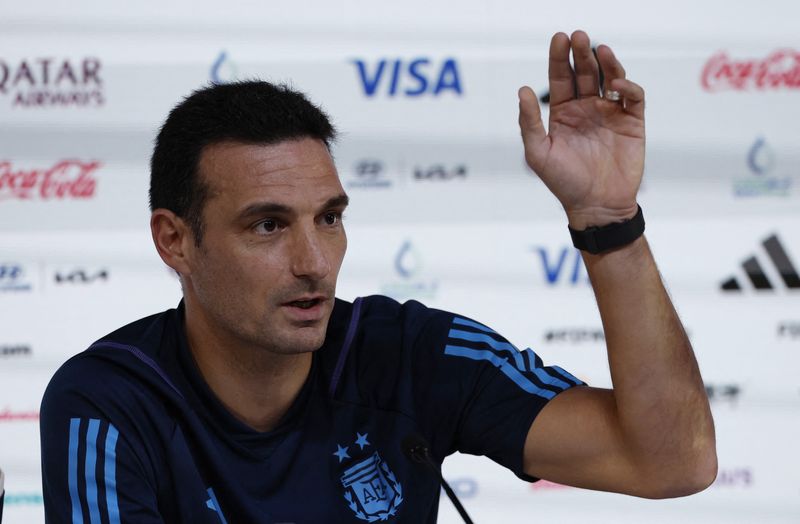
(255, 384)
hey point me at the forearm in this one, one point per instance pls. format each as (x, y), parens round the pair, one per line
(661, 405)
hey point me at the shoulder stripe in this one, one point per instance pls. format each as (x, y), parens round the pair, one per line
(111, 475)
(464, 322)
(566, 374)
(91, 476)
(547, 378)
(524, 368)
(496, 344)
(503, 365)
(72, 469)
(480, 337)
(533, 360)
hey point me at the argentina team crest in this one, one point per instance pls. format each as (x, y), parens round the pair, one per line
(370, 488)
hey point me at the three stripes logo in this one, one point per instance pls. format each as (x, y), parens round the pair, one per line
(756, 274)
(474, 341)
(92, 471)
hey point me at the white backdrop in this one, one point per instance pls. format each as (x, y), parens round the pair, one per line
(443, 209)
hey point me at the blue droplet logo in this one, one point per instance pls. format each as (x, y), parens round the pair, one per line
(223, 70)
(407, 262)
(760, 158)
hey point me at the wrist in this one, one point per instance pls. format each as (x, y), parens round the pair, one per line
(600, 239)
(580, 219)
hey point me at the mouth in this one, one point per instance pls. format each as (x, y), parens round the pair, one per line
(306, 302)
(306, 309)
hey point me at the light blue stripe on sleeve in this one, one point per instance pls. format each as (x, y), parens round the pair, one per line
(72, 469)
(500, 346)
(464, 322)
(111, 475)
(534, 362)
(503, 365)
(532, 358)
(543, 375)
(91, 477)
(534, 365)
(564, 373)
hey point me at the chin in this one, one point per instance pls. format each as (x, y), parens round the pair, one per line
(305, 343)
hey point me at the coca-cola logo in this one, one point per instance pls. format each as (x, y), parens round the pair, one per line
(547, 485)
(66, 179)
(779, 70)
(47, 81)
(6, 415)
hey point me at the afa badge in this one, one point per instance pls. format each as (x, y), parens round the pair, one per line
(371, 489)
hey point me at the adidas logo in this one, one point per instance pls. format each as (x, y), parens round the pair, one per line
(759, 279)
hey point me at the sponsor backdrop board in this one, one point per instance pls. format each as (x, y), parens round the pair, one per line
(443, 208)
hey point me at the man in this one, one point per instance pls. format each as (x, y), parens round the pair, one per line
(262, 398)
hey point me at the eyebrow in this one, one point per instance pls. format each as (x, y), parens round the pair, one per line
(341, 200)
(268, 208)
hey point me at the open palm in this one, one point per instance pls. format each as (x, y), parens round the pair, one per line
(592, 159)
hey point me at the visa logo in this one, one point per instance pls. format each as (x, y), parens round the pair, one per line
(562, 266)
(409, 78)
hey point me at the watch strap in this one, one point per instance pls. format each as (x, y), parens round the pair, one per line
(599, 239)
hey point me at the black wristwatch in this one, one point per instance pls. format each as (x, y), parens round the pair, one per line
(599, 239)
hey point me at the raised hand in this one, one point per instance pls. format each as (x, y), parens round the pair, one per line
(592, 158)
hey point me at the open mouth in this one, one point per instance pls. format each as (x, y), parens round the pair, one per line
(305, 304)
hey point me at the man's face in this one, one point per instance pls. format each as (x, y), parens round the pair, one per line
(273, 242)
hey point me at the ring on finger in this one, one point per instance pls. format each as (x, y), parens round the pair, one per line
(612, 96)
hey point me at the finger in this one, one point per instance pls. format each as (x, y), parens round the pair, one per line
(632, 94)
(534, 135)
(530, 115)
(609, 65)
(586, 69)
(562, 78)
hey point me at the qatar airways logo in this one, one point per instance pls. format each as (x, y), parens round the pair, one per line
(49, 82)
(67, 179)
(778, 70)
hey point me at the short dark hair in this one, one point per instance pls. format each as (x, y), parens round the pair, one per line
(251, 112)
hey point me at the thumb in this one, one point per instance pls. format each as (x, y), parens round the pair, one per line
(534, 136)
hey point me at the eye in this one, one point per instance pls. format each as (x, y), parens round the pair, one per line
(332, 218)
(269, 225)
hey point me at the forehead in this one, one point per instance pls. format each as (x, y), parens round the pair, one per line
(235, 171)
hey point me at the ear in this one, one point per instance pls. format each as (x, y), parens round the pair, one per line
(173, 239)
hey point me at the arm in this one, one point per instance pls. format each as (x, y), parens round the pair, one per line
(652, 435)
(91, 470)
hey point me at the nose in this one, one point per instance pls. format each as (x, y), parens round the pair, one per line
(309, 256)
